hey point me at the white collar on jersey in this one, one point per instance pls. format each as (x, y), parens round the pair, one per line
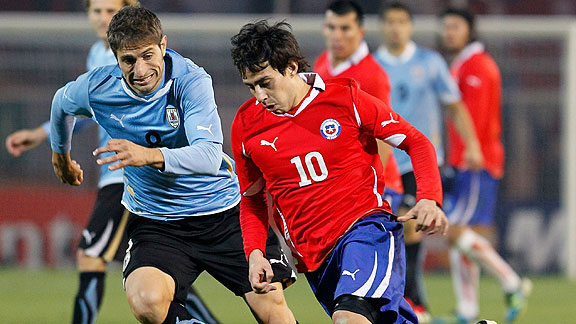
(392, 59)
(361, 52)
(318, 86)
(468, 51)
(157, 95)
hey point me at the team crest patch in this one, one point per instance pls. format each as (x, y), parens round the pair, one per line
(330, 129)
(172, 116)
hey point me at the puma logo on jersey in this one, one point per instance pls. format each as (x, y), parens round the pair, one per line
(208, 129)
(118, 119)
(88, 236)
(273, 144)
(386, 122)
(351, 274)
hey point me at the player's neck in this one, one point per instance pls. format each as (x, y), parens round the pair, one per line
(337, 61)
(302, 89)
(105, 42)
(396, 50)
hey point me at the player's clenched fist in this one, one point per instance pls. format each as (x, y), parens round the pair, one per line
(66, 169)
(129, 153)
(429, 217)
(260, 273)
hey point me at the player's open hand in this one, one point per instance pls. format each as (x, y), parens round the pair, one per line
(473, 158)
(129, 153)
(429, 217)
(260, 273)
(24, 140)
(66, 169)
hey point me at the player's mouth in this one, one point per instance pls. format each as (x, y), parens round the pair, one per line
(143, 81)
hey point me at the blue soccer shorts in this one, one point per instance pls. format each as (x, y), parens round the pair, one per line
(471, 198)
(394, 198)
(368, 261)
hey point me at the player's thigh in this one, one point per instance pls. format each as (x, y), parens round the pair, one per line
(368, 262)
(270, 307)
(105, 231)
(149, 285)
(155, 244)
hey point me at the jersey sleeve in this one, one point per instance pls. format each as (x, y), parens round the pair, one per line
(203, 155)
(442, 81)
(69, 101)
(378, 120)
(253, 208)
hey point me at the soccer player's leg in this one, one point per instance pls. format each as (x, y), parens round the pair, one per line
(196, 306)
(223, 257)
(99, 244)
(158, 271)
(473, 204)
(362, 279)
(415, 291)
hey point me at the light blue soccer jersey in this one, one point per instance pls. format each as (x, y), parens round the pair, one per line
(421, 84)
(180, 118)
(99, 55)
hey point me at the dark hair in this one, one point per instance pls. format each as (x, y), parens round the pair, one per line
(342, 8)
(133, 26)
(395, 5)
(466, 15)
(258, 45)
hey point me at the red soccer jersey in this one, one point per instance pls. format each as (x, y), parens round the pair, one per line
(479, 80)
(373, 79)
(320, 177)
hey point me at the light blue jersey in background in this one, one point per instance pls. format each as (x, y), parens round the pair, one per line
(179, 117)
(99, 55)
(421, 84)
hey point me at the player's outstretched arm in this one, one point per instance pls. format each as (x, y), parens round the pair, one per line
(129, 153)
(429, 217)
(24, 140)
(260, 272)
(66, 169)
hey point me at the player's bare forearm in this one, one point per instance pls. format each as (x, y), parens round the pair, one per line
(465, 127)
(260, 272)
(24, 140)
(429, 217)
(129, 153)
(66, 169)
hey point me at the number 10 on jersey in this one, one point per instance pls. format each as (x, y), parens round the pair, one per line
(309, 161)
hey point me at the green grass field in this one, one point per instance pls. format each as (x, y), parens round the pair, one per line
(46, 297)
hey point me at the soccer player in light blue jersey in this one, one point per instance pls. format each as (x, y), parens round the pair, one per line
(159, 109)
(421, 88)
(104, 237)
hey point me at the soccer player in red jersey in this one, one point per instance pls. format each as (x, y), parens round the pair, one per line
(299, 138)
(471, 201)
(347, 56)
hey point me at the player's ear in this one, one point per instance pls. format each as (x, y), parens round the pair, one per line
(292, 68)
(163, 43)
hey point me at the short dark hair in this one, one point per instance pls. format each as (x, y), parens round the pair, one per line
(342, 8)
(466, 15)
(133, 26)
(395, 5)
(259, 44)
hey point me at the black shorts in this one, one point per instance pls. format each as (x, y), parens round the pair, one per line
(409, 183)
(185, 248)
(105, 235)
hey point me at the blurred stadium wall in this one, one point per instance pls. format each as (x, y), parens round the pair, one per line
(40, 219)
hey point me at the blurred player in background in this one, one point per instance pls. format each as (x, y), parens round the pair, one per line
(421, 87)
(104, 237)
(471, 201)
(300, 139)
(347, 56)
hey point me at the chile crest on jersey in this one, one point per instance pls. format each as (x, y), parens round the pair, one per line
(330, 128)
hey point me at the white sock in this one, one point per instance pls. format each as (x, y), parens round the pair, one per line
(465, 279)
(481, 251)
